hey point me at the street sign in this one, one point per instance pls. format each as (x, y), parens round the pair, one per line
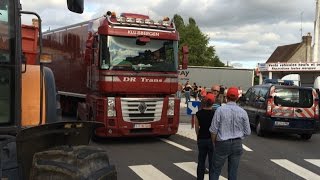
(193, 107)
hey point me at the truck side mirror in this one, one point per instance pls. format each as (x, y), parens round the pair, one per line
(75, 6)
(185, 52)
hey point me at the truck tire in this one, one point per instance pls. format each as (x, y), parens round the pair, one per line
(73, 163)
(165, 136)
(50, 96)
(305, 136)
(96, 138)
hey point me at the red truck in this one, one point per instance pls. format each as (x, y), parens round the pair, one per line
(121, 71)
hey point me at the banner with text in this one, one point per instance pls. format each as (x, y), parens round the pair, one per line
(288, 67)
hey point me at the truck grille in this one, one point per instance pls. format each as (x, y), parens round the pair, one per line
(141, 109)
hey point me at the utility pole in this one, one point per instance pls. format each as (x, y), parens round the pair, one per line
(316, 34)
(301, 14)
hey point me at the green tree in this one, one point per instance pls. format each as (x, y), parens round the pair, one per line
(256, 80)
(200, 53)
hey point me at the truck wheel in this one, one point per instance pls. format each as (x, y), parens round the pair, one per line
(305, 136)
(96, 138)
(165, 136)
(72, 162)
(259, 130)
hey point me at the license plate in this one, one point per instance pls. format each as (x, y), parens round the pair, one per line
(281, 123)
(142, 126)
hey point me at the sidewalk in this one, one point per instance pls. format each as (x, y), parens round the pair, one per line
(185, 121)
(186, 131)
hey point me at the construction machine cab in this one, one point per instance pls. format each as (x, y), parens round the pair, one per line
(21, 147)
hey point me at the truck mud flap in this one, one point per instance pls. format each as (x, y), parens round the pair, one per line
(43, 137)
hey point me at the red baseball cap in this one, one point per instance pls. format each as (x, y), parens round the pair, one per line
(210, 97)
(233, 92)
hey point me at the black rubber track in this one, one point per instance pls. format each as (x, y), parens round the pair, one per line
(72, 163)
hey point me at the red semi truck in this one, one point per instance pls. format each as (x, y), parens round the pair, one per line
(121, 71)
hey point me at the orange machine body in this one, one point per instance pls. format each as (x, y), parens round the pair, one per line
(31, 79)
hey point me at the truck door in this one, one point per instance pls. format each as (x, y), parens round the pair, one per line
(92, 57)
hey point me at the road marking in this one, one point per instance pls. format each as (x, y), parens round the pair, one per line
(296, 169)
(314, 161)
(175, 144)
(191, 168)
(192, 135)
(148, 172)
(246, 148)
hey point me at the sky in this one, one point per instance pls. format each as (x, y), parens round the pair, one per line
(243, 32)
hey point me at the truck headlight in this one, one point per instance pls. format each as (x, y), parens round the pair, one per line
(111, 107)
(170, 107)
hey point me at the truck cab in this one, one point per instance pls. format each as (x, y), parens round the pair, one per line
(121, 70)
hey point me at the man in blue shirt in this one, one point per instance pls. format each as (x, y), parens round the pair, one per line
(230, 124)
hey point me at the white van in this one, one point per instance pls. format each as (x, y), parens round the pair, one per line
(278, 108)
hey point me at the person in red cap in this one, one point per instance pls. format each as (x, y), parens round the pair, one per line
(229, 125)
(202, 124)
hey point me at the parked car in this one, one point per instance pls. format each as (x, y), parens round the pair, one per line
(279, 108)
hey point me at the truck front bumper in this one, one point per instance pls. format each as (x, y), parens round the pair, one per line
(159, 130)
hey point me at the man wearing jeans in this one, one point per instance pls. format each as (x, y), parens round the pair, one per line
(230, 124)
(187, 90)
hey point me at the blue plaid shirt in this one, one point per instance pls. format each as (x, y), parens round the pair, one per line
(230, 121)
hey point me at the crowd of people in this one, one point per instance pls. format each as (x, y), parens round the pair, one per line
(220, 126)
(199, 92)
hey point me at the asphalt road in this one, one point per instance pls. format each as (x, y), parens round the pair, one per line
(140, 158)
(274, 157)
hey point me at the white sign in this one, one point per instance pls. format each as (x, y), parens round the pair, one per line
(289, 67)
(142, 126)
(262, 66)
(193, 107)
(141, 79)
(143, 33)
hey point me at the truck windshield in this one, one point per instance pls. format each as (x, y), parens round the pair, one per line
(5, 62)
(125, 53)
